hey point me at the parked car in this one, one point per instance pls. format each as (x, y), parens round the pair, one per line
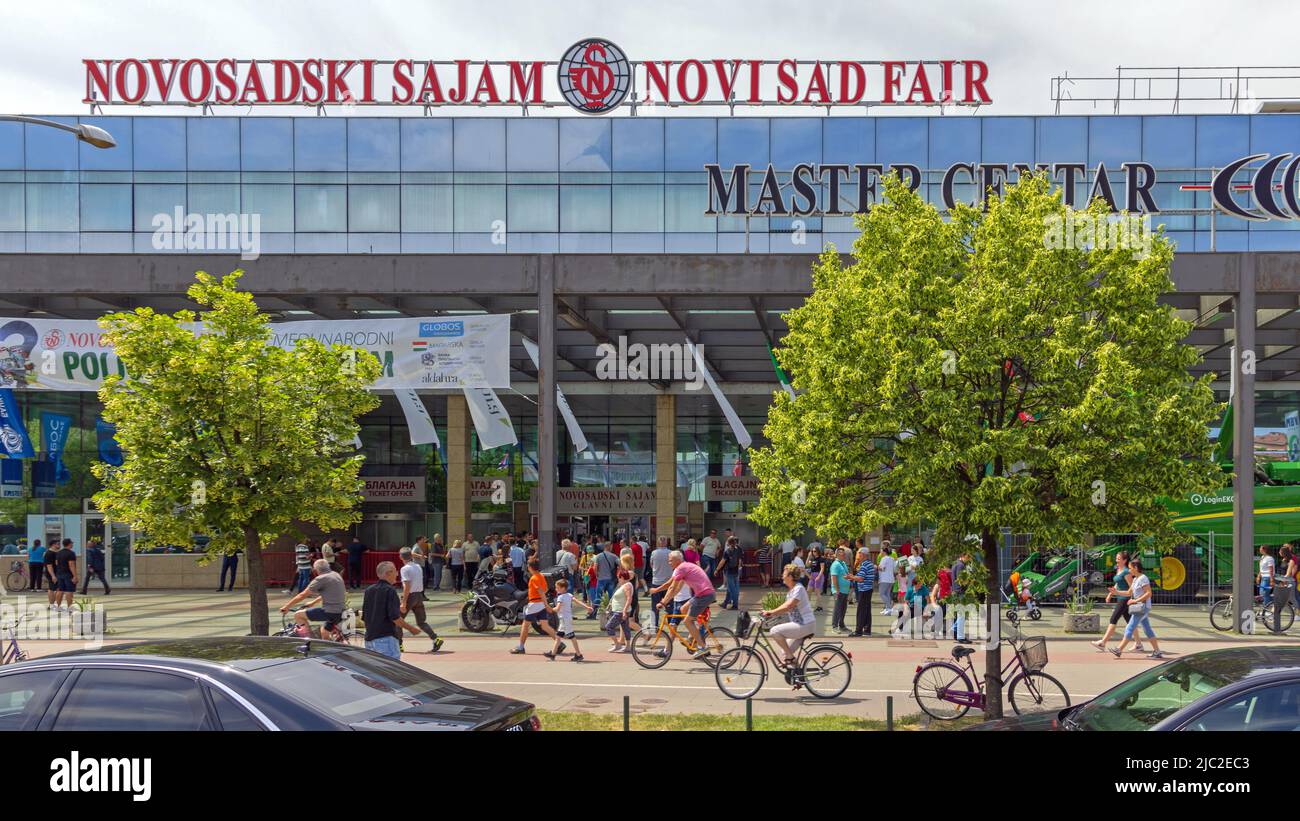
(1239, 688)
(249, 683)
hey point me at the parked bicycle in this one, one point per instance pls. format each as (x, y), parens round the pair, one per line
(825, 668)
(1221, 614)
(945, 691)
(652, 649)
(12, 652)
(17, 579)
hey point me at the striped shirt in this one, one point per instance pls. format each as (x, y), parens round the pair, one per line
(867, 573)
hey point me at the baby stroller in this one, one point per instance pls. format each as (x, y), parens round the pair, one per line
(1019, 601)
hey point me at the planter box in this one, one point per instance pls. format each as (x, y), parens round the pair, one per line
(1082, 622)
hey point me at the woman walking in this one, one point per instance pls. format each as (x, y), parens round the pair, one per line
(1139, 611)
(764, 558)
(1120, 592)
(816, 571)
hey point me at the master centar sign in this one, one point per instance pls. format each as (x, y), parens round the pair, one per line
(593, 76)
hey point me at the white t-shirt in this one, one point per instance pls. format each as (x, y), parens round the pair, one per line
(913, 562)
(1140, 585)
(798, 562)
(788, 546)
(709, 546)
(683, 593)
(566, 560)
(1266, 565)
(801, 613)
(413, 575)
(887, 569)
(564, 610)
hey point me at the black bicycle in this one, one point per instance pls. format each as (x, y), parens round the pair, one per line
(824, 668)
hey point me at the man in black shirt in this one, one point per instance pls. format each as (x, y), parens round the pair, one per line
(95, 566)
(355, 549)
(381, 610)
(65, 575)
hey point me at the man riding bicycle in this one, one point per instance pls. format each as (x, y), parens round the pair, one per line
(331, 598)
(693, 575)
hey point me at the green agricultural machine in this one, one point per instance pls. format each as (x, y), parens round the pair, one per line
(1205, 518)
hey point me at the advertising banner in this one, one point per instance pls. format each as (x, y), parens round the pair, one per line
(491, 421)
(11, 479)
(731, 489)
(110, 452)
(1292, 421)
(607, 501)
(416, 352)
(14, 441)
(393, 489)
(418, 421)
(54, 435)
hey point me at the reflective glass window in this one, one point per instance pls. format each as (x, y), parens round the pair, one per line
(274, 204)
(320, 144)
(1113, 141)
(532, 208)
(480, 207)
(638, 208)
(1062, 139)
(374, 208)
(480, 144)
(373, 144)
(52, 206)
(902, 140)
(159, 144)
(795, 140)
(426, 207)
(157, 201)
(12, 217)
(266, 143)
(426, 144)
(1169, 142)
(321, 208)
(638, 144)
(51, 149)
(689, 143)
(953, 140)
(117, 158)
(106, 207)
(584, 208)
(1007, 140)
(532, 145)
(743, 141)
(1221, 139)
(585, 144)
(213, 144)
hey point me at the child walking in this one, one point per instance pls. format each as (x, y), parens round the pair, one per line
(564, 611)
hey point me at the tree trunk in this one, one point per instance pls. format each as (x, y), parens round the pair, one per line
(259, 623)
(993, 651)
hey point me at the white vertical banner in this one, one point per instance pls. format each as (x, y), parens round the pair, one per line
(418, 421)
(570, 421)
(490, 418)
(742, 435)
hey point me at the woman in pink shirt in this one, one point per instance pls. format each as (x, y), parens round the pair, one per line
(691, 553)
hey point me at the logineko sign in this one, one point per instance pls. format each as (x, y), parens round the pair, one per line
(594, 76)
(812, 188)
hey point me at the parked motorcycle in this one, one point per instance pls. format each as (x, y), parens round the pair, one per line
(497, 601)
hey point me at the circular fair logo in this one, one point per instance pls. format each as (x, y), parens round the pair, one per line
(53, 339)
(594, 75)
(10, 441)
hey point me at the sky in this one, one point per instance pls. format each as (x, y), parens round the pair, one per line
(1025, 44)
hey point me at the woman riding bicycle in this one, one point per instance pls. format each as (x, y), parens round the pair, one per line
(790, 636)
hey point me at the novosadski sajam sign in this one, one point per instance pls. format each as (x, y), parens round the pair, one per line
(420, 352)
(593, 75)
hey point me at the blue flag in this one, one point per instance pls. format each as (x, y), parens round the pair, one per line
(55, 428)
(43, 485)
(14, 441)
(11, 479)
(110, 452)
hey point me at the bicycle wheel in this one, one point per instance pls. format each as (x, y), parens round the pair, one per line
(1221, 614)
(15, 581)
(932, 684)
(652, 649)
(827, 671)
(1264, 615)
(740, 673)
(720, 640)
(1037, 692)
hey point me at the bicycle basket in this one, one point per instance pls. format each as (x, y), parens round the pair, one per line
(1033, 653)
(743, 624)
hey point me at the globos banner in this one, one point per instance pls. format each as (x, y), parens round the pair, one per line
(415, 352)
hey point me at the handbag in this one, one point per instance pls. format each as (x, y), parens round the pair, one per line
(1138, 609)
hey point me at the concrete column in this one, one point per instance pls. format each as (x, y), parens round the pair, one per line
(1243, 443)
(459, 428)
(665, 464)
(546, 411)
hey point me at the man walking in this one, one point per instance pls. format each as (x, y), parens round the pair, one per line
(64, 574)
(229, 564)
(437, 560)
(355, 551)
(381, 610)
(302, 562)
(840, 584)
(471, 560)
(95, 566)
(607, 567)
(732, 556)
(864, 583)
(710, 547)
(660, 572)
(518, 560)
(413, 592)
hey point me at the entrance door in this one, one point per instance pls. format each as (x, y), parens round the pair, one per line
(119, 547)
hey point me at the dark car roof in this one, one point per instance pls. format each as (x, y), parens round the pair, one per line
(1239, 663)
(242, 653)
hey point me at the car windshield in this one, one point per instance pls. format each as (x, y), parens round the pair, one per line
(357, 687)
(1155, 694)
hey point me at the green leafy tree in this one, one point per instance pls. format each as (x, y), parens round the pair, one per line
(972, 372)
(225, 434)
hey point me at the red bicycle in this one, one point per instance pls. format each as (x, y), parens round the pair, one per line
(945, 691)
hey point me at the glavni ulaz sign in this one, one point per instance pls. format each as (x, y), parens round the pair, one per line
(594, 76)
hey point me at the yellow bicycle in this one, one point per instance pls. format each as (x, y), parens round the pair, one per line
(653, 648)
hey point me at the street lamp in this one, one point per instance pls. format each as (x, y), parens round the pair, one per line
(93, 135)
